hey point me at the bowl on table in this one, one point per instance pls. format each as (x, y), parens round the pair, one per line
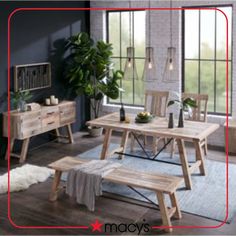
(143, 117)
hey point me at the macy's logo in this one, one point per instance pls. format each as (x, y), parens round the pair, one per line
(120, 228)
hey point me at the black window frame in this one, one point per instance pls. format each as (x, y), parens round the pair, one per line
(186, 8)
(123, 57)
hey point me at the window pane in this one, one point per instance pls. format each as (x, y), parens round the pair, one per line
(127, 85)
(125, 32)
(191, 76)
(207, 34)
(191, 34)
(221, 33)
(116, 62)
(207, 82)
(139, 84)
(114, 32)
(139, 33)
(221, 87)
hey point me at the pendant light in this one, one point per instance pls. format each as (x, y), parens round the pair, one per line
(149, 72)
(170, 66)
(130, 71)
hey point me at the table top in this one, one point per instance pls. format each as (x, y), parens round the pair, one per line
(157, 127)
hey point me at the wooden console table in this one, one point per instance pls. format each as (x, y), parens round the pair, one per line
(25, 125)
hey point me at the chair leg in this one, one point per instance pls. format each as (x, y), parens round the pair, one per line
(205, 147)
(172, 148)
(132, 142)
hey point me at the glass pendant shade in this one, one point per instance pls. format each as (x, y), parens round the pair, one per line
(130, 71)
(149, 72)
(170, 66)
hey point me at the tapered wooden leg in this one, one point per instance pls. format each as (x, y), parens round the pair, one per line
(184, 163)
(199, 156)
(123, 144)
(106, 143)
(54, 191)
(173, 148)
(174, 203)
(132, 142)
(70, 134)
(154, 144)
(24, 150)
(58, 134)
(12, 140)
(205, 147)
(164, 211)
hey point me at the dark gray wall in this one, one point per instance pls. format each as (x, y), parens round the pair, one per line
(37, 36)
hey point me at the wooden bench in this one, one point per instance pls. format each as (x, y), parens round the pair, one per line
(159, 183)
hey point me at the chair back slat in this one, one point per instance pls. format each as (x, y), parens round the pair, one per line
(156, 102)
(200, 112)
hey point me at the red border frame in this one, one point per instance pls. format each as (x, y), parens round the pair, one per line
(102, 9)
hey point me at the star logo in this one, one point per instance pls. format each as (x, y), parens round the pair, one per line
(96, 226)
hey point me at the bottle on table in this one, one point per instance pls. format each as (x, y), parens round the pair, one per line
(122, 113)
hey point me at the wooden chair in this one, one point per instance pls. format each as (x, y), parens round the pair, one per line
(156, 104)
(198, 114)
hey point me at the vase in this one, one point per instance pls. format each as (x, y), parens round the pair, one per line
(181, 119)
(21, 106)
(171, 121)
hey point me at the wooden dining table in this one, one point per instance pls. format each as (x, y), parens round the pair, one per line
(192, 131)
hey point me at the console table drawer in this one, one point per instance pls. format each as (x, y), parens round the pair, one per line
(67, 113)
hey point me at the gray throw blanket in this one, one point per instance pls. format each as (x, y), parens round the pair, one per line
(84, 181)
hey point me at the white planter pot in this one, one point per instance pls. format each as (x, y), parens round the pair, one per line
(95, 131)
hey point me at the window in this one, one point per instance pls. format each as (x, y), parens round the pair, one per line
(204, 57)
(118, 33)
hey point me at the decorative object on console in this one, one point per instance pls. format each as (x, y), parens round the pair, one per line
(19, 100)
(52, 101)
(33, 106)
(24, 125)
(32, 76)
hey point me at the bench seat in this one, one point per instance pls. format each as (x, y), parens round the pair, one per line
(159, 183)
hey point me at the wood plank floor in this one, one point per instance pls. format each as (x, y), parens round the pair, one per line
(32, 208)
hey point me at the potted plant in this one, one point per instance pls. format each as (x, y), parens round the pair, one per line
(186, 104)
(19, 100)
(89, 72)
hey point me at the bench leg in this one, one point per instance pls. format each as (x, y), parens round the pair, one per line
(174, 203)
(124, 140)
(164, 211)
(54, 192)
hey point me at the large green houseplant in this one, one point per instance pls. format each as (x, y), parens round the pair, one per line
(90, 70)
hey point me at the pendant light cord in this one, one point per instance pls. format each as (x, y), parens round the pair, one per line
(130, 40)
(149, 23)
(171, 23)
